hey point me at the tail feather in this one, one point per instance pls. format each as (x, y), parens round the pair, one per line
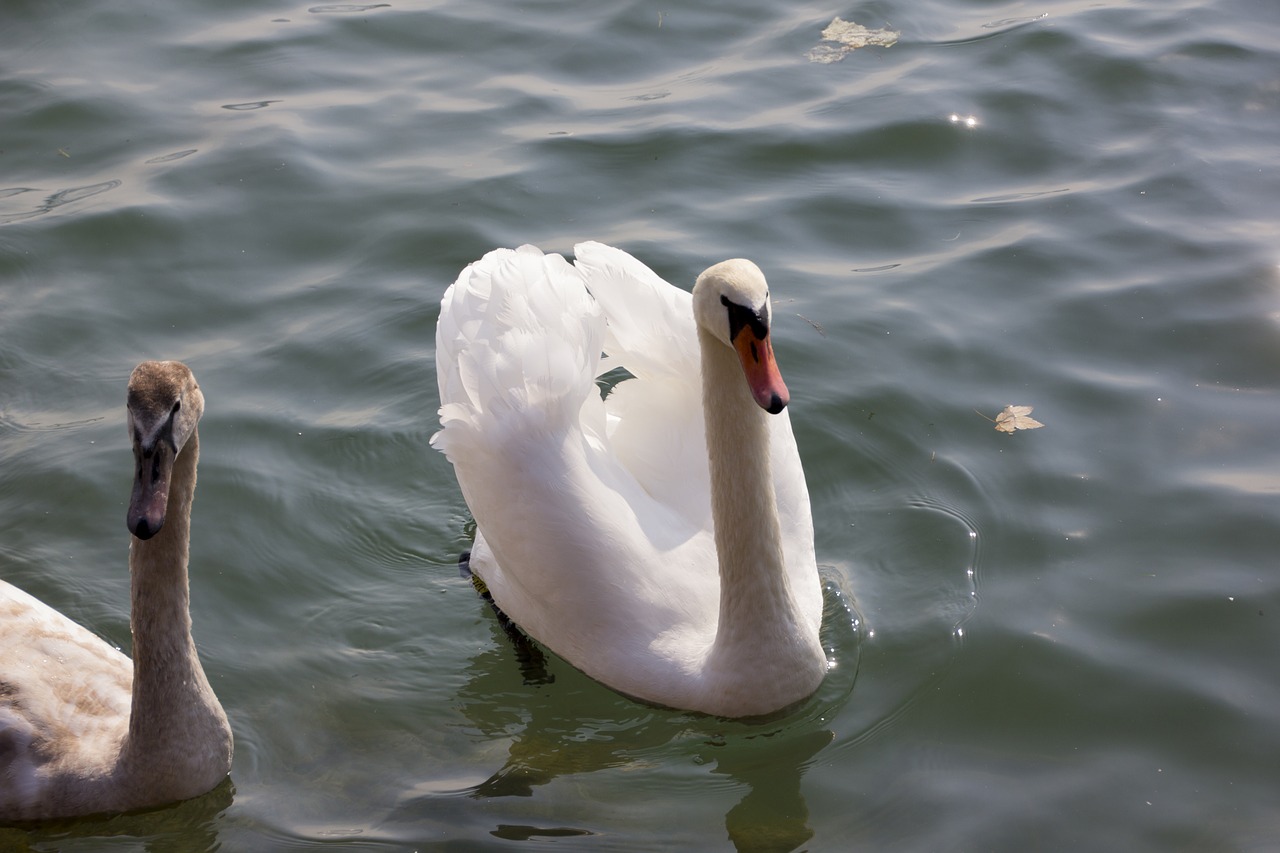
(650, 323)
(519, 338)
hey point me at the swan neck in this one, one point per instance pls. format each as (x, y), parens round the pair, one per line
(170, 691)
(756, 603)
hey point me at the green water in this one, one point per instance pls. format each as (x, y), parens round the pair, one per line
(1060, 639)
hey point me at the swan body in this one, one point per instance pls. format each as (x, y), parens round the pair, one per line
(659, 539)
(84, 729)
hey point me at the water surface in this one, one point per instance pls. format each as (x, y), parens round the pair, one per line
(1059, 639)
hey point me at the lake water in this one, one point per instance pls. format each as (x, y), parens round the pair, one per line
(1059, 639)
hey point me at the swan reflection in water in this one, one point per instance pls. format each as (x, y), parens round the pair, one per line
(565, 741)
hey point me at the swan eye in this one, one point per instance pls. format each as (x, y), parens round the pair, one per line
(741, 317)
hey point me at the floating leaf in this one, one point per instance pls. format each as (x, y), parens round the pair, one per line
(1016, 417)
(846, 36)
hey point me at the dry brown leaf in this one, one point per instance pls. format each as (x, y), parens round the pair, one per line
(842, 37)
(1016, 417)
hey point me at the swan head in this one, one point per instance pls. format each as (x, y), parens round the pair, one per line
(163, 405)
(731, 302)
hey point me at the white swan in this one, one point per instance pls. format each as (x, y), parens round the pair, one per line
(659, 540)
(82, 729)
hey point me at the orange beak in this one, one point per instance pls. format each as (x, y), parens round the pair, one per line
(758, 365)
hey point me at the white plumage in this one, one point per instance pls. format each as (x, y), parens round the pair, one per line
(596, 528)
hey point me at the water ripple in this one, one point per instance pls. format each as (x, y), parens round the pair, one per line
(345, 8)
(52, 202)
(250, 105)
(169, 158)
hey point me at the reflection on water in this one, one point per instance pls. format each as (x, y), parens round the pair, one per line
(773, 815)
(47, 203)
(571, 727)
(552, 741)
(187, 827)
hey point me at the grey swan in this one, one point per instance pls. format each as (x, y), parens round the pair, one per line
(84, 729)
